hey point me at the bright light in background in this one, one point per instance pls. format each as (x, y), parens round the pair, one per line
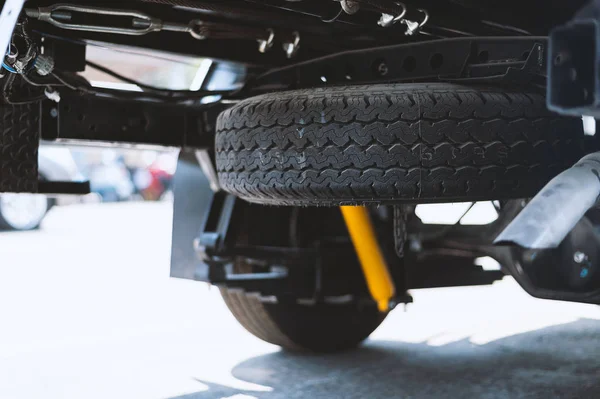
(441, 213)
(93, 314)
(589, 125)
(201, 75)
(487, 263)
(115, 85)
(94, 303)
(447, 214)
(153, 68)
(482, 213)
(478, 314)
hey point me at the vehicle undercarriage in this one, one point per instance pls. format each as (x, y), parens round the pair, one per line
(374, 106)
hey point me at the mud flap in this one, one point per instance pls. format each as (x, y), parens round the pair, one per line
(192, 201)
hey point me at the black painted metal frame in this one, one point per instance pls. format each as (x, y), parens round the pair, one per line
(205, 248)
(94, 120)
(201, 247)
(473, 60)
(499, 60)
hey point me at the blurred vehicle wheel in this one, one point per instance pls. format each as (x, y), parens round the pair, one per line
(320, 327)
(23, 211)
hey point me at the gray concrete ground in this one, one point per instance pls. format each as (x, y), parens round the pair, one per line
(87, 310)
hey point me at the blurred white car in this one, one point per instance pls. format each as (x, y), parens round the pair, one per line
(26, 211)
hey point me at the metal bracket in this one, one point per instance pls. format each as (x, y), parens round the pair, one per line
(472, 59)
(400, 229)
(517, 73)
(56, 188)
(211, 239)
(560, 273)
(93, 119)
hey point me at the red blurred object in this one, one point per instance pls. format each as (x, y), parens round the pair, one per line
(152, 183)
(159, 184)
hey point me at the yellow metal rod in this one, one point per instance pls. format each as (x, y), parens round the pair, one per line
(369, 254)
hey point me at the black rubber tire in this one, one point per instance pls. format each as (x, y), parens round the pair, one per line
(393, 142)
(314, 328)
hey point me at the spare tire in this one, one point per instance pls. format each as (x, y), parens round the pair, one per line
(392, 143)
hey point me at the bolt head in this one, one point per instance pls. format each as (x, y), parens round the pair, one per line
(383, 69)
(579, 257)
(386, 20)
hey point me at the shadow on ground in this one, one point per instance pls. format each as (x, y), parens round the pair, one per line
(560, 361)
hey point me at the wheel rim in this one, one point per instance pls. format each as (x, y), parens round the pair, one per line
(23, 211)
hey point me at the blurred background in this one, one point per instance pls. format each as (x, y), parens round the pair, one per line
(117, 175)
(87, 308)
(114, 176)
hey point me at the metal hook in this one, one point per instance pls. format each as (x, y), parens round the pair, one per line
(426, 19)
(402, 14)
(388, 20)
(265, 45)
(196, 29)
(292, 48)
(412, 27)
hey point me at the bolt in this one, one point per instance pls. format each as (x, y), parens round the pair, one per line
(579, 257)
(383, 69)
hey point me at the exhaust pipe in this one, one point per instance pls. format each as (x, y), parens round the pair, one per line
(556, 209)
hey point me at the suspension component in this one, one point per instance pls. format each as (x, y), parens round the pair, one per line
(380, 283)
(136, 23)
(62, 15)
(557, 208)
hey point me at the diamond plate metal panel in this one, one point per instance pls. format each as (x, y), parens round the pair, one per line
(19, 143)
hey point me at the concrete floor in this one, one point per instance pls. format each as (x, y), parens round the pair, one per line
(87, 310)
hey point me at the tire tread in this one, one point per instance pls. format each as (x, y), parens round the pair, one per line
(417, 142)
